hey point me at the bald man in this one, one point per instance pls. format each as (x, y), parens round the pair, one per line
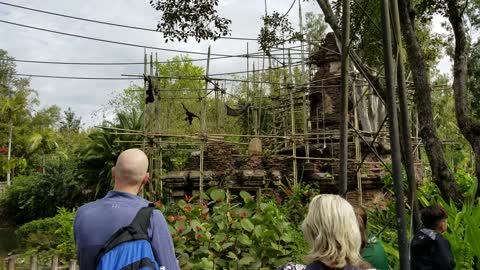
(96, 221)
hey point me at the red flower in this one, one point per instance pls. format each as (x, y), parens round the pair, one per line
(177, 217)
(159, 204)
(219, 200)
(179, 230)
(188, 198)
(199, 236)
(3, 150)
(205, 215)
(243, 214)
(171, 218)
(187, 208)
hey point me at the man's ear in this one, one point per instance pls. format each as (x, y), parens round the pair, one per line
(113, 172)
(145, 178)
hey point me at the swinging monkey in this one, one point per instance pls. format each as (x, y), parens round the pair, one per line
(149, 91)
(189, 114)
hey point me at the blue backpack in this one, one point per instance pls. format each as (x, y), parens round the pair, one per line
(129, 248)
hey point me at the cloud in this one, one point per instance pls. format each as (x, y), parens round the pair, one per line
(85, 97)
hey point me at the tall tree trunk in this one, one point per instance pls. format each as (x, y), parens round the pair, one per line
(469, 128)
(442, 175)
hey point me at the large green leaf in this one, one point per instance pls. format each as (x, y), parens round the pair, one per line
(217, 195)
(247, 224)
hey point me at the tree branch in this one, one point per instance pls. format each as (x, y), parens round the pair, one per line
(332, 20)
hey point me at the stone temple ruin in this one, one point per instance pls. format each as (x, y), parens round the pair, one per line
(316, 154)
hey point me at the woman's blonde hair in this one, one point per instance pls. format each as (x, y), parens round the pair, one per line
(331, 229)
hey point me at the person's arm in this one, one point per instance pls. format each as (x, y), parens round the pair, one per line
(162, 242)
(444, 254)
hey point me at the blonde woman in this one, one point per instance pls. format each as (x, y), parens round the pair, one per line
(331, 230)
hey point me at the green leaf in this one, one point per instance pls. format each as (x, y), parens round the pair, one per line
(247, 224)
(246, 260)
(218, 195)
(245, 240)
(246, 196)
(231, 255)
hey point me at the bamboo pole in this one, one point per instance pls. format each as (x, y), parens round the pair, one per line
(304, 97)
(255, 112)
(248, 90)
(344, 117)
(292, 118)
(54, 265)
(144, 129)
(9, 154)
(357, 145)
(10, 263)
(405, 127)
(159, 163)
(203, 127)
(394, 139)
(33, 262)
(72, 265)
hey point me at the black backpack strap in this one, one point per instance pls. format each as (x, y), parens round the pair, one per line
(137, 230)
(142, 219)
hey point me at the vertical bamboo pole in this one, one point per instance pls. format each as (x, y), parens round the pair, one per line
(150, 148)
(394, 138)
(9, 154)
(33, 262)
(255, 112)
(343, 177)
(248, 89)
(204, 123)
(358, 154)
(144, 129)
(405, 127)
(159, 163)
(10, 263)
(292, 118)
(304, 97)
(72, 265)
(54, 265)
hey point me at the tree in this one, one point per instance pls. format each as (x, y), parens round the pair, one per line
(70, 122)
(469, 126)
(14, 102)
(197, 19)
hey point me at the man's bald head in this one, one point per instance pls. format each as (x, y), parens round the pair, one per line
(131, 167)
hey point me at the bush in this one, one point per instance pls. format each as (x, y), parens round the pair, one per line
(224, 234)
(39, 195)
(49, 236)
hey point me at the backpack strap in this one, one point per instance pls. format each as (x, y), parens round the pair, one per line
(137, 230)
(142, 219)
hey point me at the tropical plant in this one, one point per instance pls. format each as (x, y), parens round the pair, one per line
(39, 195)
(48, 236)
(232, 232)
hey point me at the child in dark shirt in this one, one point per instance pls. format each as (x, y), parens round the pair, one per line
(429, 250)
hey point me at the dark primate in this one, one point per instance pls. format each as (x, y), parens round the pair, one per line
(190, 115)
(149, 91)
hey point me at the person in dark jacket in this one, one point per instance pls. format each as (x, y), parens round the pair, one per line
(429, 250)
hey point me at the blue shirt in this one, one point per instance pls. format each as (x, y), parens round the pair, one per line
(97, 221)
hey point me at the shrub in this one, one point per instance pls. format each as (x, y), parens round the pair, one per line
(39, 195)
(221, 233)
(49, 236)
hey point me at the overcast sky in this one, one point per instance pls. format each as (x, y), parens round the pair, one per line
(85, 97)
